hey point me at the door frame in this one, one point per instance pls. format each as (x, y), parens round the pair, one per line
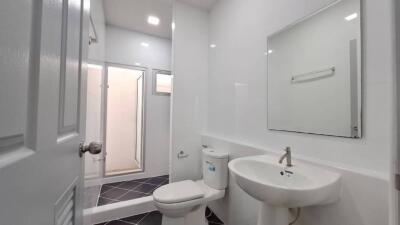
(97, 181)
(395, 162)
(104, 117)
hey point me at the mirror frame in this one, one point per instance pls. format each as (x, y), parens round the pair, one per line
(357, 128)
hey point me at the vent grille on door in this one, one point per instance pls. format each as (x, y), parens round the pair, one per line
(65, 208)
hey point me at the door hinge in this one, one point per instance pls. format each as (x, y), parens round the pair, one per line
(397, 181)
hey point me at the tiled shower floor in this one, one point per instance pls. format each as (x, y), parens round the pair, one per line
(122, 191)
(154, 218)
(128, 190)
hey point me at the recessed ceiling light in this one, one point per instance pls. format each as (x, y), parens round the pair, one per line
(213, 45)
(137, 64)
(144, 44)
(351, 17)
(153, 20)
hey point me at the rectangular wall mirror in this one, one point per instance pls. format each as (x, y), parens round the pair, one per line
(314, 73)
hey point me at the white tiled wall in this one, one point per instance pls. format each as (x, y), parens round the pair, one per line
(236, 110)
(237, 105)
(190, 67)
(237, 81)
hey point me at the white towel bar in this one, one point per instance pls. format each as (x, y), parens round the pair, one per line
(313, 75)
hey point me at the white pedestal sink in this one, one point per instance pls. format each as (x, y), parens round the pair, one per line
(280, 188)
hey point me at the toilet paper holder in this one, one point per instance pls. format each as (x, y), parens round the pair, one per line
(182, 155)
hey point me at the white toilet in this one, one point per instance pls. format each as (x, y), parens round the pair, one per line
(184, 202)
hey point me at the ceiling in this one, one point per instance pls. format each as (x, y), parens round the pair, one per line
(132, 14)
(203, 4)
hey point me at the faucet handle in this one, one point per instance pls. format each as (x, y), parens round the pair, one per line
(287, 149)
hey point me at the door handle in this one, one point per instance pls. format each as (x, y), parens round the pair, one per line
(93, 148)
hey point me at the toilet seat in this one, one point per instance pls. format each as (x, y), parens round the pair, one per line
(208, 194)
(177, 192)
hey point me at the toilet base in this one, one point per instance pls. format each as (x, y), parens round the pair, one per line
(173, 221)
(196, 217)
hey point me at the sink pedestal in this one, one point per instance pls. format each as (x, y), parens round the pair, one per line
(270, 215)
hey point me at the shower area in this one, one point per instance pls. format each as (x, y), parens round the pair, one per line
(128, 89)
(116, 118)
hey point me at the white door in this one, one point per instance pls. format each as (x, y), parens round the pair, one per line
(41, 121)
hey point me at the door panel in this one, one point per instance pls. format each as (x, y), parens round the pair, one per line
(39, 170)
(70, 76)
(15, 62)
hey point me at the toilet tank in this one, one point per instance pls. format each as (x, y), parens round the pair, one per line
(215, 168)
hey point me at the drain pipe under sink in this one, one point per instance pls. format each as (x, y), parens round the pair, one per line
(298, 211)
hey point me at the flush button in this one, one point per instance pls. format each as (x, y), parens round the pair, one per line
(211, 166)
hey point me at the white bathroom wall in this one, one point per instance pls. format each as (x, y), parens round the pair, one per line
(96, 55)
(124, 47)
(190, 67)
(97, 50)
(237, 110)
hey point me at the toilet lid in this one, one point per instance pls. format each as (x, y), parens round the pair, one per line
(178, 192)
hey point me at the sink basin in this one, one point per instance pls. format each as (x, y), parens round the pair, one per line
(263, 178)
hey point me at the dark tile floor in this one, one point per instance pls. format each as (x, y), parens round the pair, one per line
(155, 217)
(212, 218)
(128, 190)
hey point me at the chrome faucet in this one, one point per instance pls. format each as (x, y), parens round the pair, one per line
(287, 156)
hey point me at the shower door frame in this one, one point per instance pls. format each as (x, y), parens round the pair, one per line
(104, 117)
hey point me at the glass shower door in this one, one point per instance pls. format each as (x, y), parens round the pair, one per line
(124, 120)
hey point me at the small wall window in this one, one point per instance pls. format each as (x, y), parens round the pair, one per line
(162, 82)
